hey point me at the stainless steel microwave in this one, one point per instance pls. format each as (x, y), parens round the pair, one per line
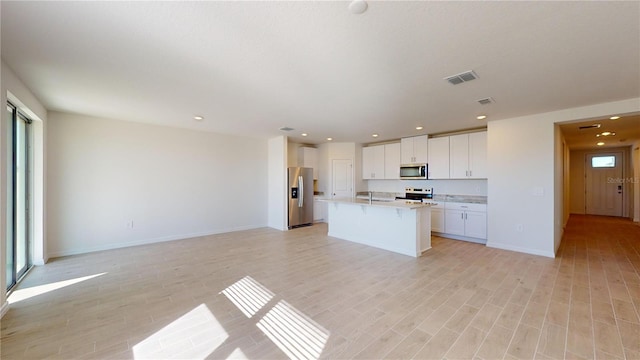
(414, 171)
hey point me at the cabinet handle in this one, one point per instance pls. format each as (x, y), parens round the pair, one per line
(462, 216)
(470, 173)
(465, 216)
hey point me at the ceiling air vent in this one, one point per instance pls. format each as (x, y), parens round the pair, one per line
(286, 128)
(462, 77)
(589, 126)
(486, 101)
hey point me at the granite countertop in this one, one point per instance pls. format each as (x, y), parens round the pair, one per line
(397, 204)
(472, 199)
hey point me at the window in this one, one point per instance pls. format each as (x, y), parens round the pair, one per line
(18, 255)
(603, 161)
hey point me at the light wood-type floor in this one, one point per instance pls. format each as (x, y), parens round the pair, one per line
(270, 294)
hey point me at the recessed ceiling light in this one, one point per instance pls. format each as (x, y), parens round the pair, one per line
(358, 6)
(481, 117)
(375, 135)
(305, 134)
(606, 133)
(614, 117)
(198, 118)
(600, 143)
(329, 139)
(419, 127)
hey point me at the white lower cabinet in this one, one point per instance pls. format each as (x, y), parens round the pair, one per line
(463, 219)
(454, 220)
(319, 211)
(437, 218)
(475, 224)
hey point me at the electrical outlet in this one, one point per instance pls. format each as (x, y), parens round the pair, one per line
(519, 228)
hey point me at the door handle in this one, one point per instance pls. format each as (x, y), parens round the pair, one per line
(301, 195)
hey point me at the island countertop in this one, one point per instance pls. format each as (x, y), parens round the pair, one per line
(397, 204)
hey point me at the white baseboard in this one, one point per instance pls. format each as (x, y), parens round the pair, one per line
(458, 237)
(39, 262)
(56, 254)
(548, 254)
(4, 309)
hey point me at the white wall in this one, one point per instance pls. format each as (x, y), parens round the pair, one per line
(14, 89)
(171, 183)
(277, 183)
(560, 216)
(292, 153)
(522, 171)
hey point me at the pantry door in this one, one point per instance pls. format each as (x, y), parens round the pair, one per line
(342, 178)
(604, 184)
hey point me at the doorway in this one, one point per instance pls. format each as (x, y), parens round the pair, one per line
(604, 184)
(341, 178)
(18, 254)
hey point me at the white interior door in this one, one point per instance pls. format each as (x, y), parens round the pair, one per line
(342, 178)
(604, 184)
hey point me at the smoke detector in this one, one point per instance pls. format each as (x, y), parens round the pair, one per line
(462, 77)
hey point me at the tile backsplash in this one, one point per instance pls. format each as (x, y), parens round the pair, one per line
(459, 187)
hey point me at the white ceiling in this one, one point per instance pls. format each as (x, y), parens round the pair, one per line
(253, 67)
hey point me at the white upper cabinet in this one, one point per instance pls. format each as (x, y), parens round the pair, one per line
(468, 156)
(373, 162)
(414, 150)
(459, 156)
(478, 155)
(438, 158)
(392, 161)
(308, 157)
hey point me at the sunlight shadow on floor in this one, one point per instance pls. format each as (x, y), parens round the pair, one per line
(26, 293)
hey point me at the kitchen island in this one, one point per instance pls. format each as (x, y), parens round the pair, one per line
(396, 226)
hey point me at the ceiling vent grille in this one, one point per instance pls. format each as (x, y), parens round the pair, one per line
(462, 77)
(596, 126)
(486, 101)
(286, 128)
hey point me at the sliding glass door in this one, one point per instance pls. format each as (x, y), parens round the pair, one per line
(18, 244)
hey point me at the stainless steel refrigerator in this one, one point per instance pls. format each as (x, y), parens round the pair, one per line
(300, 187)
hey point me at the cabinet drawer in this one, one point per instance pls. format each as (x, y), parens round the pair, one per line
(466, 206)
